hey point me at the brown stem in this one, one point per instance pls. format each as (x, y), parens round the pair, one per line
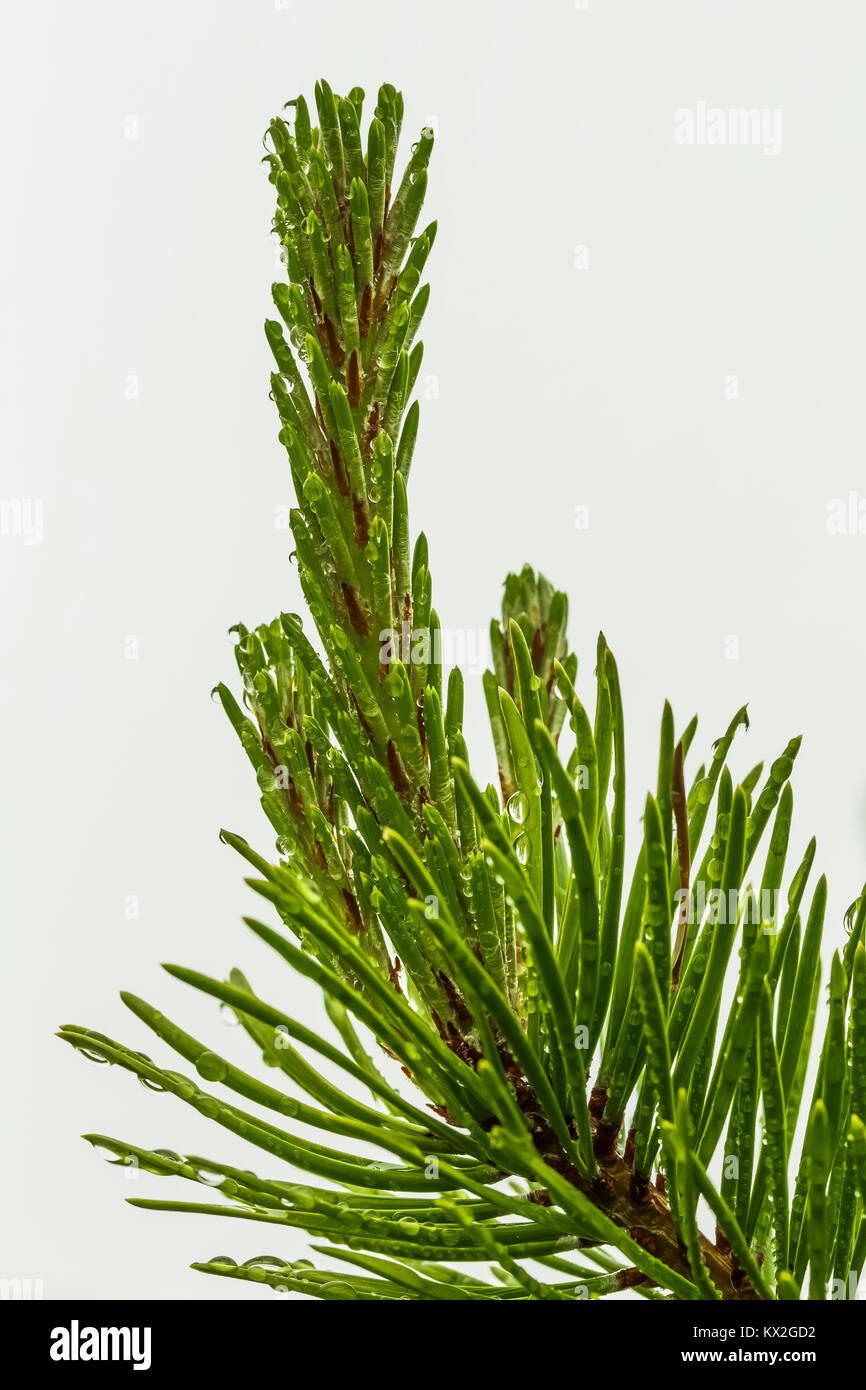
(629, 1200)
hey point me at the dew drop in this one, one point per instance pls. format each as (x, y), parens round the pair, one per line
(517, 806)
(150, 1085)
(303, 1198)
(521, 849)
(110, 1155)
(210, 1177)
(211, 1067)
(265, 778)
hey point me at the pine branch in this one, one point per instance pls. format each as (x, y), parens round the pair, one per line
(531, 1039)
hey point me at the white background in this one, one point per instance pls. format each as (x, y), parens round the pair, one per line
(544, 388)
